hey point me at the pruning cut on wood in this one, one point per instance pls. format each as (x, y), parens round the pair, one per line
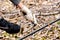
(29, 14)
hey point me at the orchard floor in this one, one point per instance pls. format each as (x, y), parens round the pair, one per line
(46, 11)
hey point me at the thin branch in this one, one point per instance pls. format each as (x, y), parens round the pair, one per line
(49, 14)
(39, 29)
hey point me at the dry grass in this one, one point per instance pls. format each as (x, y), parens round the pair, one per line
(10, 13)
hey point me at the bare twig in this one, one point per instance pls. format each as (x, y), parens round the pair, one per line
(38, 29)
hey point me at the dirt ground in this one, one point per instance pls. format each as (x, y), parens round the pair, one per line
(46, 11)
